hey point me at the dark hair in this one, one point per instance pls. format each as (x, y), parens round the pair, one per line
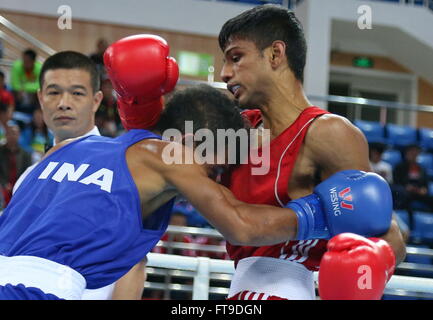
(412, 146)
(71, 60)
(2, 74)
(265, 24)
(3, 107)
(30, 53)
(206, 106)
(377, 146)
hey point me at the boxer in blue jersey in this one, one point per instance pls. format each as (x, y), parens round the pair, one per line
(95, 206)
(79, 121)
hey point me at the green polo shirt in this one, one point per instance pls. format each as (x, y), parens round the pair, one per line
(20, 81)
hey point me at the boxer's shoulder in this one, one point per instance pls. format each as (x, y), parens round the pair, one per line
(329, 124)
(60, 145)
(333, 144)
(332, 131)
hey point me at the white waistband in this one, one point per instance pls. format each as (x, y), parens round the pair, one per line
(278, 277)
(46, 275)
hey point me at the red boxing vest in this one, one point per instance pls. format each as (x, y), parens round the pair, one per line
(271, 189)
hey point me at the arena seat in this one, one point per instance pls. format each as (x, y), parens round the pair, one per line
(400, 136)
(403, 215)
(430, 188)
(373, 131)
(392, 156)
(422, 259)
(426, 138)
(423, 226)
(426, 161)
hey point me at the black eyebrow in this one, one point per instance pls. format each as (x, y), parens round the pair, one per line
(231, 49)
(73, 87)
(79, 86)
(52, 86)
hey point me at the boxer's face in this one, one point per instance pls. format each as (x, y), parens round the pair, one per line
(246, 72)
(68, 102)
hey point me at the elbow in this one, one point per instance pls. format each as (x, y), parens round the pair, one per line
(395, 240)
(241, 239)
(399, 251)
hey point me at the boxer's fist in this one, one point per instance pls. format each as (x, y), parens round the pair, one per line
(348, 201)
(355, 268)
(141, 72)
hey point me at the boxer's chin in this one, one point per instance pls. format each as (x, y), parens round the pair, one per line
(246, 105)
(250, 102)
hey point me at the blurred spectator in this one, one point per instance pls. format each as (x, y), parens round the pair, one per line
(411, 183)
(5, 116)
(107, 118)
(5, 95)
(36, 136)
(98, 56)
(193, 217)
(13, 160)
(379, 166)
(25, 81)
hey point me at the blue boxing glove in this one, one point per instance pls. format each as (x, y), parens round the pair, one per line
(348, 201)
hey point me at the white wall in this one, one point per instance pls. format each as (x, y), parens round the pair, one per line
(415, 24)
(190, 16)
(403, 33)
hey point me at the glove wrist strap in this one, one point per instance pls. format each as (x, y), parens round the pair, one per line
(311, 221)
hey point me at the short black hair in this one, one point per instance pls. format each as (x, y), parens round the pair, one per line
(30, 53)
(207, 107)
(265, 24)
(412, 146)
(2, 74)
(71, 60)
(377, 146)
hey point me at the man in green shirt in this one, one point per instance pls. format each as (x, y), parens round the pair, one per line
(25, 81)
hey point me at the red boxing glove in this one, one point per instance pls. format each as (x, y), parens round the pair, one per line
(355, 268)
(141, 72)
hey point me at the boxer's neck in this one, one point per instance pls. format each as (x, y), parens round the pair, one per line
(285, 104)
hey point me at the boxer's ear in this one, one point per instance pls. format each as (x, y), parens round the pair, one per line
(277, 53)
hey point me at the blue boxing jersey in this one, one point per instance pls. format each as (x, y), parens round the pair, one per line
(80, 207)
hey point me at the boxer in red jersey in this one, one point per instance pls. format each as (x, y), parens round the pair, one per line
(264, 56)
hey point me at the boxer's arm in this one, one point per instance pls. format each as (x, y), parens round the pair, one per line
(395, 240)
(239, 223)
(335, 144)
(131, 285)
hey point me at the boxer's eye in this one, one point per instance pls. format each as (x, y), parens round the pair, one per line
(236, 58)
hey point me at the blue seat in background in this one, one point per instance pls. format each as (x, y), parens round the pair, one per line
(403, 215)
(430, 188)
(373, 131)
(397, 297)
(392, 156)
(426, 138)
(425, 160)
(423, 226)
(413, 258)
(400, 136)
